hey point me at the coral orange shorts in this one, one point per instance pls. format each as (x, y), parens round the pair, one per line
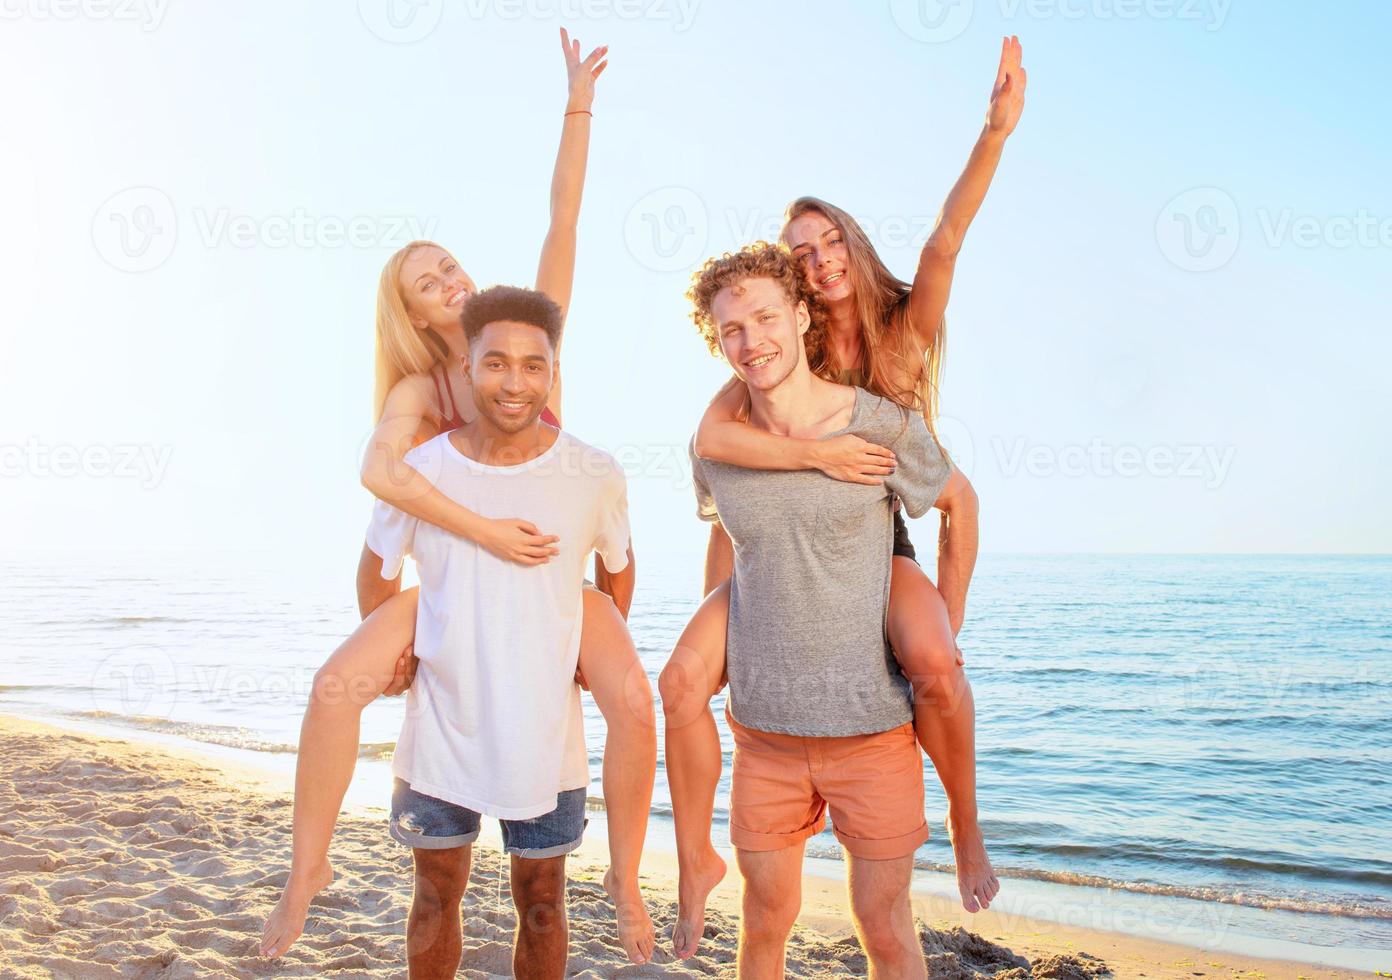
(783, 785)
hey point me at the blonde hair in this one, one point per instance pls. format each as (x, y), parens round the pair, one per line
(401, 349)
(892, 348)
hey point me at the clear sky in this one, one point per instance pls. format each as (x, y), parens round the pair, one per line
(1169, 330)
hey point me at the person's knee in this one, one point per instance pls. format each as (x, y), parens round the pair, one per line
(769, 915)
(632, 712)
(769, 928)
(881, 939)
(682, 687)
(441, 878)
(927, 656)
(335, 689)
(538, 893)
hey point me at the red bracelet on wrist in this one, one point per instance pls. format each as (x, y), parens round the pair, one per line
(576, 112)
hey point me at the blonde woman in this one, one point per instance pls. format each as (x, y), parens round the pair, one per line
(877, 332)
(421, 391)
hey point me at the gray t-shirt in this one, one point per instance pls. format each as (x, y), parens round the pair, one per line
(807, 650)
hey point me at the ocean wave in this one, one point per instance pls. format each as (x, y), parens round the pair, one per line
(1180, 854)
(117, 621)
(1286, 903)
(229, 736)
(226, 735)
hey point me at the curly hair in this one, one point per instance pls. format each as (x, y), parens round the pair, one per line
(511, 303)
(761, 260)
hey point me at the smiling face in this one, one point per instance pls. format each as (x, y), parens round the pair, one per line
(513, 368)
(760, 331)
(820, 250)
(433, 287)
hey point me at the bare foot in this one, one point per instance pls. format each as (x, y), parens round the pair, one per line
(635, 925)
(287, 919)
(976, 879)
(693, 886)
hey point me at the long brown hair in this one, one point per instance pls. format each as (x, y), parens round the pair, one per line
(892, 350)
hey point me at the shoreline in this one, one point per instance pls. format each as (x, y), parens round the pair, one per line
(824, 920)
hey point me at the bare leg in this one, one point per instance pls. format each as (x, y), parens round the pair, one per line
(944, 718)
(357, 672)
(538, 894)
(771, 899)
(687, 683)
(883, 918)
(621, 689)
(434, 941)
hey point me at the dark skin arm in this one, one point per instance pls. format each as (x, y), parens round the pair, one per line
(617, 586)
(373, 590)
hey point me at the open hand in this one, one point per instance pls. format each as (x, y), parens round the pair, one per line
(581, 75)
(1008, 95)
(851, 459)
(405, 673)
(516, 540)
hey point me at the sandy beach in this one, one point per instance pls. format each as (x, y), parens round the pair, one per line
(123, 859)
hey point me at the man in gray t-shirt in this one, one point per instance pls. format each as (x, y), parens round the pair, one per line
(806, 651)
(820, 714)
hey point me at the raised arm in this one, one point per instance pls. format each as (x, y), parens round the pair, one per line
(724, 436)
(387, 475)
(556, 270)
(938, 260)
(958, 539)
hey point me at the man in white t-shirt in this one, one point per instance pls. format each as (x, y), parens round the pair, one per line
(493, 723)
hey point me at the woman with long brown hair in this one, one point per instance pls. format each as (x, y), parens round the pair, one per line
(421, 391)
(875, 331)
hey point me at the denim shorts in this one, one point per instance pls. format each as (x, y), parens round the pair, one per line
(423, 821)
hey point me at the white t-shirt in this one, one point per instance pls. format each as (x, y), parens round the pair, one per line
(493, 718)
